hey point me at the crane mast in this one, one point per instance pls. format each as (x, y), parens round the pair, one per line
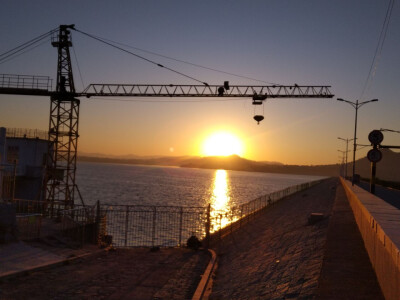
(63, 129)
(63, 135)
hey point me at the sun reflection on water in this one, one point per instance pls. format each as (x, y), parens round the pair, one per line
(220, 200)
(220, 196)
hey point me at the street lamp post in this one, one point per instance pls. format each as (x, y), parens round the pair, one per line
(342, 162)
(356, 105)
(347, 151)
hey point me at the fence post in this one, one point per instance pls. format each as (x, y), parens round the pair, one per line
(241, 216)
(208, 226)
(14, 181)
(97, 225)
(126, 225)
(220, 227)
(180, 226)
(39, 227)
(231, 216)
(153, 235)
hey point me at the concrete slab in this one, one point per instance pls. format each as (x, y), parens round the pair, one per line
(23, 257)
(19, 257)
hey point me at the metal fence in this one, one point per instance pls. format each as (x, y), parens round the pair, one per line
(7, 184)
(27, 133)
(45, 208)
(146, 226)
(226, 222)
(164, 226)
(29, 226)
(30, 206)
(79, 224)
(171, 226)
(25, 81)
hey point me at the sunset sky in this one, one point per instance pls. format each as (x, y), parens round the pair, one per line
(284, 42)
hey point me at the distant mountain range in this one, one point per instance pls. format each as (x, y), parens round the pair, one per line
(387, 168)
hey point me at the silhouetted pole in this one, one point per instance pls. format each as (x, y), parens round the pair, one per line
(342, 161)
(347, 151)
(356, 105)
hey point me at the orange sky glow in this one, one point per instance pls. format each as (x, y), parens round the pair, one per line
(298, 43)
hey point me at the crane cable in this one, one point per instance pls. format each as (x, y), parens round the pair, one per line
(378, 50)
(147, 100)
(12, 53)
(139, 56)
(2, 61)
(79, 69)
(186, 62)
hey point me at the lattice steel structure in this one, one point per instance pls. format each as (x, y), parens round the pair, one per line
(190, 90)
(63, 129)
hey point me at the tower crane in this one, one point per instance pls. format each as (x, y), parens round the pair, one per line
(63, 132)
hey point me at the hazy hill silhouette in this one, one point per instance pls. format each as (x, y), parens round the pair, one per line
(237, 163)
(161, 161)
(387, 168)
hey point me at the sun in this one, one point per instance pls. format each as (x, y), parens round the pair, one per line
(222, 144)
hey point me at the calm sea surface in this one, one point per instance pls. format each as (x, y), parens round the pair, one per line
(155, 185)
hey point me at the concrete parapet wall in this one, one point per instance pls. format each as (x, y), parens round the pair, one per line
(379, 224)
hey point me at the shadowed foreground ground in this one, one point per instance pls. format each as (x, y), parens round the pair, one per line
(120, 274)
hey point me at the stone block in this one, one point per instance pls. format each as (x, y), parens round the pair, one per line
(315, 217)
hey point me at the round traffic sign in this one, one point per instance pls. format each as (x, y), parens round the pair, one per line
(375, 137)
(374, 155)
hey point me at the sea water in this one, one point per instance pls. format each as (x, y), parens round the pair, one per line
(173, 186)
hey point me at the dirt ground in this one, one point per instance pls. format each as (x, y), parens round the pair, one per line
(169, 273)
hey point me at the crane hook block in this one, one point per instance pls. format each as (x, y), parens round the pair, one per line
(258, 118)
(259, 97)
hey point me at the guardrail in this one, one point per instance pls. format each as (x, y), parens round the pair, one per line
(164, 226)
(148, 226)
(27, 133)
(171, 226)
(224, 223)
(25, 82)
(79, 224)
(24, 206)
(29, 226)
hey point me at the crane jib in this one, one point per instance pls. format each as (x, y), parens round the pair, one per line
(169, 90)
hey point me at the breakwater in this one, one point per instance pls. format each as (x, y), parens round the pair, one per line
(379, 224)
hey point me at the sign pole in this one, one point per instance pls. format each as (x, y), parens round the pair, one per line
(373, 176)
(374, 156)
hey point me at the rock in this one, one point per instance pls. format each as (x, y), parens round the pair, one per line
(315, 217)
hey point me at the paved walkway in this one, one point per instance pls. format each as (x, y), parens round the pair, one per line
(346, 269)
(169, 273)
(279, 256)
(17, 258)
